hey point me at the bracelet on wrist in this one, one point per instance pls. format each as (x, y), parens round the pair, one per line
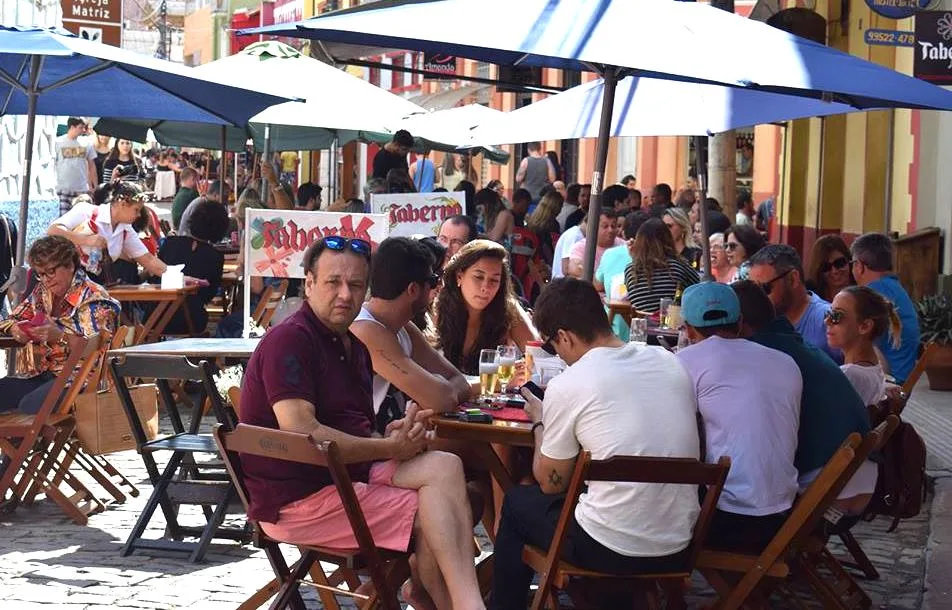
(538, 424)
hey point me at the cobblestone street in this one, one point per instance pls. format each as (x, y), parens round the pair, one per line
(48, 562)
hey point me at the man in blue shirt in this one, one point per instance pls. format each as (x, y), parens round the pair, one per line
(873, 267)
(613, 264)
(779, 271)
(830, 408)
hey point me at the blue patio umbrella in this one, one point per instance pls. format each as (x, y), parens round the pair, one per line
(686, 41)
(51, 72)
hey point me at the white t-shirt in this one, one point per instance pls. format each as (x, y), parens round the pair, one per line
(869, 382)
(72, 165)
(380, 384)
(563, 247)
(749, 398)
(608, 403)
(121, 241)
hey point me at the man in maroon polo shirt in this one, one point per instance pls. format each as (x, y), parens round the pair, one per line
(309, 374)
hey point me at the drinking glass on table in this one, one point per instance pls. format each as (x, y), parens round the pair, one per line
(663, 312)
(507, 365)
(488, 372)
(639, 331)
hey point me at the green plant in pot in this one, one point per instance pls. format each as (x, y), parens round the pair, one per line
(935, 326)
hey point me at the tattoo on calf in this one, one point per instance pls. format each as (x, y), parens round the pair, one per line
(555, 478)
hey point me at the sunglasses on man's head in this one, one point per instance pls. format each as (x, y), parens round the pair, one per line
(433, 281)
(768, 286)
(340, 244)
(834, 316)
(839, 263)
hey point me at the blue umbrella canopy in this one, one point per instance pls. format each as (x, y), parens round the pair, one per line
(659, 38)
(52, 72)
(682, 41)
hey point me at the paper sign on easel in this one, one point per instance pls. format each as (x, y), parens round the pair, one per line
(411, 214)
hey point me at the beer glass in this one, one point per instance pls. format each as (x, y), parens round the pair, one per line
(488, 372)
(507, 365)
(639, 331)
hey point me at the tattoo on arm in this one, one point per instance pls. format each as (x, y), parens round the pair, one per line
(392, 362)
(555, 478)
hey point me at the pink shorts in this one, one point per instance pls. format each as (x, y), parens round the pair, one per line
(320, 520)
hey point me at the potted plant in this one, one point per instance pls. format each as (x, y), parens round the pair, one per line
(935, 326)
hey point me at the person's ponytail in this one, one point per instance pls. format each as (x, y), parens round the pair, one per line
(895, 325)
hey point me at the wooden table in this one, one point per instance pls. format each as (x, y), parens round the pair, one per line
(167, 302)
(208, 349)
(512, 433)
(670, 335)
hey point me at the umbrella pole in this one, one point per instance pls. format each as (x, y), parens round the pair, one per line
(31, 94)
(601, 158)
(223, 164)
(265, 158)
(700, 169)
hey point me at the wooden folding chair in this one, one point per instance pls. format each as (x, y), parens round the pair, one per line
(387, 569)
(66, 453)
(753, 572)
(555, 573)
(184, 480)
(885, 414)
(269, 301)
(29, 442)
(927, 351)
(815, 561)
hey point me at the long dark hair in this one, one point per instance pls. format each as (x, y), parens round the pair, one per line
(452, 315)
(492, 205)
(652, 250)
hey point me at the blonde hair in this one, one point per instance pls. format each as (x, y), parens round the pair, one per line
(681, 218)
(547, 211)
(870, 305)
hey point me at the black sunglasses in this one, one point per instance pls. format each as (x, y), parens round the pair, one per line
(547, 345)
(834, 316)
(839, 263)
(433, 281)
(340, 244)
(768, 286)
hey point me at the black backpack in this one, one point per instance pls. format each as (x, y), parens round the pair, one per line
(901, 486)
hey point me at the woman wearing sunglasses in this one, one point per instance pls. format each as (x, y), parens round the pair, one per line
(859, 316)
(741, 243)
(476, 309)
(63, 302)
(829, 269)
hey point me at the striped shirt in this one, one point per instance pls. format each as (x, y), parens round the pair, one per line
(645, 296)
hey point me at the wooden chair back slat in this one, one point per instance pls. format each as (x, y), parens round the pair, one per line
(275, 444)
(269, 302)
(635, 469)
(79, 362)
(923, 361)
(805, 516)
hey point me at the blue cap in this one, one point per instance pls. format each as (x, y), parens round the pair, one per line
(710, 304)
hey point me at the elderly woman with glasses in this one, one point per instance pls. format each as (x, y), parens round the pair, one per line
(104, 233)
(63, 302)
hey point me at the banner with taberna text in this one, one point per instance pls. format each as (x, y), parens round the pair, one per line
(277, 239)
(411, 214)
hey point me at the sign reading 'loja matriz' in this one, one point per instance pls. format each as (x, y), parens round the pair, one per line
(95, 20)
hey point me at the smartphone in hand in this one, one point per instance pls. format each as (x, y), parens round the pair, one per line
(535, 389)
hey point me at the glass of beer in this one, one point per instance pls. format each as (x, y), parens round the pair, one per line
(507, 365)
(488, 372)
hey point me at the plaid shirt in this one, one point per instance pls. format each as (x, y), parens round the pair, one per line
(89, 310)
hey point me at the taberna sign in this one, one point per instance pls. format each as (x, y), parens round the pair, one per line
(898, 9)
(933, 60)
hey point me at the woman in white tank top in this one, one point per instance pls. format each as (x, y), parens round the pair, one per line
(859, 316)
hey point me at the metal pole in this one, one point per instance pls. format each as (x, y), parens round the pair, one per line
(333, 178)
(601, 157)
(701, 170)
(265, 158)
(32, 95)
(223, 164)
